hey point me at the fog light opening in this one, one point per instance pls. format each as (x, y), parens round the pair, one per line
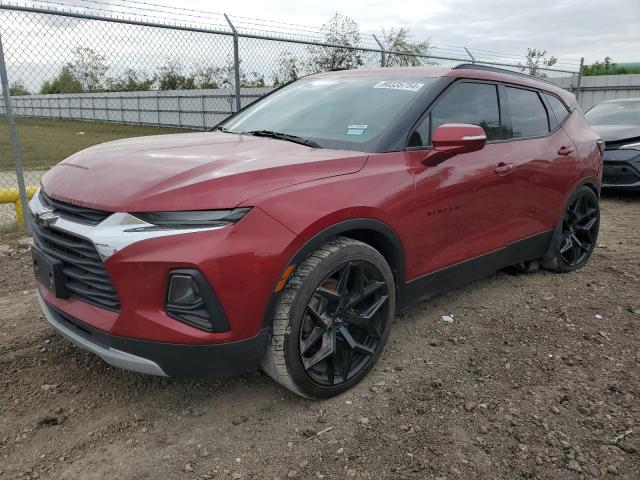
(191, 300)
(183, 290)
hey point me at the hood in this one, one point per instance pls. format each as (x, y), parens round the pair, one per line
(189, 171)
(617, 133)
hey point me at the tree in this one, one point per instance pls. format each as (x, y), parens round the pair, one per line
(131, 81)
(537, 59)
(406, 53)
(17, 89)
(253, 80)
(343, 31)
(89, 68)
(288, 69)
(84, 74)
(211, 77)
(608, 67)
(170, 77)
(64, 82)
(217, 77)
(225, 77)
(605, 67)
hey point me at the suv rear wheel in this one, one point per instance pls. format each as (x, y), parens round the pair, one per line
(332, 320)
(576, 234)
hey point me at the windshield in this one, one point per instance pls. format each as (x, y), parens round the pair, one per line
(338, 112)
(615, 113)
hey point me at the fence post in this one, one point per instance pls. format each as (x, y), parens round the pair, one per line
(383, 60)
(13, 134)
(473, 60)
(579, 80)
(236, 63)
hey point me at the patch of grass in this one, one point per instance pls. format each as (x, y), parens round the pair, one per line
(45, 142)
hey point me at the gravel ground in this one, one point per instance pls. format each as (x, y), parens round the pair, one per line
(538, 376)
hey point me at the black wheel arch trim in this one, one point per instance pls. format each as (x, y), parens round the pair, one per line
(344, 227)
(589, 182)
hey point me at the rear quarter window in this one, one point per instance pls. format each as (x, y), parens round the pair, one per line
(558, 108)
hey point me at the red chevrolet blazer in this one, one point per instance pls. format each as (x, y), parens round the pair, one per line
(289, 235)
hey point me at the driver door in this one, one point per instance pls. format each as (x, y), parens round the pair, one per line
(461, 206)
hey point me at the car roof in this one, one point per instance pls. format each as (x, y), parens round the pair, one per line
(406, 72)
(464, 71)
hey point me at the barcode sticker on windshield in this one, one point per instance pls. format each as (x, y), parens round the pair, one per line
(399, 85)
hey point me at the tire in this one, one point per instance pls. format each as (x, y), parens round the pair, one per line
(319, 312)
(576, 234)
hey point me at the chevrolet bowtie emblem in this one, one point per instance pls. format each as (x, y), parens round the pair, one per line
(45, 217)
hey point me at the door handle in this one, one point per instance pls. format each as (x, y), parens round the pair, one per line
(503, 168)
(566, 150)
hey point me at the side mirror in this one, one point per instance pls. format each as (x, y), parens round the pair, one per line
(453, 139)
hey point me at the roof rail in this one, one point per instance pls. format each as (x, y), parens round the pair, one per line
(475, 66)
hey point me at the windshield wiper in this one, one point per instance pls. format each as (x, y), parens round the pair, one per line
(283, 136)
(220, 128)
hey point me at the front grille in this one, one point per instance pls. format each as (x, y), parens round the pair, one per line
(76, 213)
(85, 274)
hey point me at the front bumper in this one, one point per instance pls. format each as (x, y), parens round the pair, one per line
(621, 169)
(241, 271)
(158, 358)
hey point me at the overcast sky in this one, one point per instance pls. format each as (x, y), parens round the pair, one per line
(568, 28)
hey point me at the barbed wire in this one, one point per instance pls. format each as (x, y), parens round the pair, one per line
(206, 19)
(115, 13)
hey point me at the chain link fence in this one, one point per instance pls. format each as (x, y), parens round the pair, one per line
(77, 75)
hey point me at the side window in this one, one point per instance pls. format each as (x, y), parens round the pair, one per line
(474, 103)
(420, 136)
(559, 109)
(528, 114)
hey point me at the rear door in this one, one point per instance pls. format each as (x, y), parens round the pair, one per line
(544, 162)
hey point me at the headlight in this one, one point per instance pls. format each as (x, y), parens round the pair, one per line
(190, 219)
(631, 146)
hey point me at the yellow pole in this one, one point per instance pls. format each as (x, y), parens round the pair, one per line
(18, 205)
(12, 195)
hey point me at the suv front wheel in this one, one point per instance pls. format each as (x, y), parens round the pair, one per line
(332, 320)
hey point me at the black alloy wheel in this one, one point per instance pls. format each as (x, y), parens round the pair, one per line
(579, 230)
(332, 320)
(343, 323)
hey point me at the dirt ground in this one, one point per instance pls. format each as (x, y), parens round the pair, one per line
(538, 376)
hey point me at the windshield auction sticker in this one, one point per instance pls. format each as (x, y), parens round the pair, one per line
(399, 85)
(356, 129)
